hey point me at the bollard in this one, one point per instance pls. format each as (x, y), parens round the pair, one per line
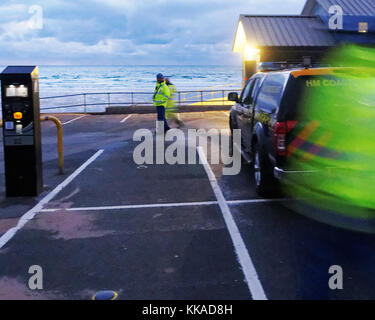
(59, 139)
(60, 146)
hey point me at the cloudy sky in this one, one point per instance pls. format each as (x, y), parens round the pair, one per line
(123, 32)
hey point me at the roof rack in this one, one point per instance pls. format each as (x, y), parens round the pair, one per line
(280, 66)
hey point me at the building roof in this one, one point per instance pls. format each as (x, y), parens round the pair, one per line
(350, 7)
(19, 70)
(283, 31)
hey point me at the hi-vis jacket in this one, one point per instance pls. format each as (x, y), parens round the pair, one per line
(171, 104)
(161, 95)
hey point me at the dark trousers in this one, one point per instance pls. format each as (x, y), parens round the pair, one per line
(161, 117)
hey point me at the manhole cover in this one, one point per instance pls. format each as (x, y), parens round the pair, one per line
(105, 295)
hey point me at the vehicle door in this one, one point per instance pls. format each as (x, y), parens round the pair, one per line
(267, 106)
(248, 114)
(242, 107)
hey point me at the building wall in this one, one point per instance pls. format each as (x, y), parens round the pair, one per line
(350, 27)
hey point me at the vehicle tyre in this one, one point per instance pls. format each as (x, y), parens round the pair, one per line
(263, 175)
(231, 127)
(232, 124)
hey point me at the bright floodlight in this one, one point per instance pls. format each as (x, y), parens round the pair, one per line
(251, 53)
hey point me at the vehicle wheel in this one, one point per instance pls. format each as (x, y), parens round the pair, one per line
(231, 136)
(263, 175)
(233, 126)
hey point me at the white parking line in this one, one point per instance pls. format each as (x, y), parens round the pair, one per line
(234, 202)
(126, 118)
(140, 206)
(75, 119)
(163, 205)
(29, 215)
(251, 276)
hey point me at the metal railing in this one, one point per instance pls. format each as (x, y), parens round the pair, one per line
(92, 102)
(60, 146)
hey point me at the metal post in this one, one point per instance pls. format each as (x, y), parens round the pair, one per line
(179, 98)
(201, 97)
(60, 146)
(84, 102)
(109, 99)
(223, 97)
(132, 98)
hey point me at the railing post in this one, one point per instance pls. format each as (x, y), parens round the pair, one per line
(109, 99)
(201, 97)
(132, 98)
(179, 98)
(223, 92)
(84, 102)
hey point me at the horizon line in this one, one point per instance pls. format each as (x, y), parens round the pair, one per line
(125, 65)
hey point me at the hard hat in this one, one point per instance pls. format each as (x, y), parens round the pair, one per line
(159, 76)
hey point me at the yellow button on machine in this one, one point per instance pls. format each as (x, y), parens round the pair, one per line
(17, 115)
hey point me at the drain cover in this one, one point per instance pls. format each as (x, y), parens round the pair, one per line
(105, 295)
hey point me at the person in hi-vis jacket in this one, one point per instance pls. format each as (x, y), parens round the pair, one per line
(161, 98)
(172, 108)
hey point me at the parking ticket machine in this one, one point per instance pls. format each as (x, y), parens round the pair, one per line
(21, 131)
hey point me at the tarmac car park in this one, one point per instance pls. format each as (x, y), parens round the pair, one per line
(165, 232)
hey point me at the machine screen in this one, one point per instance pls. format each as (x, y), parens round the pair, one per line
(16, 91)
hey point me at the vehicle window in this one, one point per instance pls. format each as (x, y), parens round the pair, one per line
(246, 92)
(271, 92)
(298, 92)
(255, 88)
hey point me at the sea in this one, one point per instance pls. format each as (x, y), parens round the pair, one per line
(96, 81)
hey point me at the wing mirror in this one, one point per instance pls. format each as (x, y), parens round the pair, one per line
(249, 100)
(233, 96)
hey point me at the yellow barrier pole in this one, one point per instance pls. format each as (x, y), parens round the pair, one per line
(60, 146)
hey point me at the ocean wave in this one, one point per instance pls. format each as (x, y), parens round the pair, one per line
(82, 79)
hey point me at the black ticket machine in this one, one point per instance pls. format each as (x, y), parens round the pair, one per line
(21, 131)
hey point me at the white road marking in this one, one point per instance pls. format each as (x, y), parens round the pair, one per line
(256, 201)
(141, 206)
(251, 276)
(126, 118)
(75, 119)
(163, 205)
(29, 215)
